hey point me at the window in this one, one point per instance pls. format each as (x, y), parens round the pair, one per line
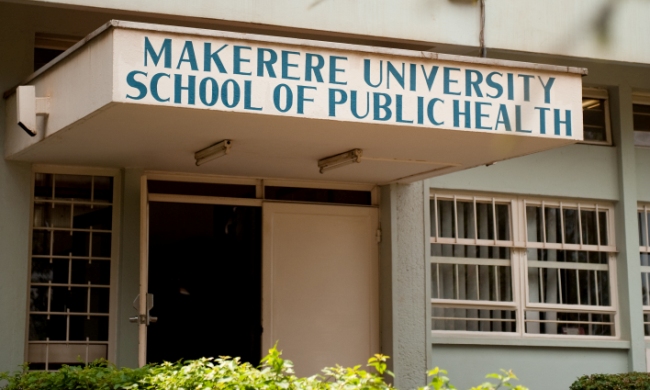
(595, 116)
(641, 112)
(49, 46)
(521, 266)
(70, 268)
(644, 242)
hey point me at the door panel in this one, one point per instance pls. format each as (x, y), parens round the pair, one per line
(320, 284)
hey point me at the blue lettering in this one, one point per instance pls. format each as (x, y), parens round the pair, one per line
(154, 86)
(511, 86)
(503, 118)
(209, 57)
(399, 77)
(263, 63)
(547, 88)
(466, 114)
(132, 82)
(310, 68)
(179, 88)
(469, 83)
(566, 122)
(248, 96)
(334, 70)
(526, 78)
(447, 81)
(188, 50)
(478, 106)
(214, 91)
(286, 65)
(542, 118)
(165, 49)
(366, 73)
(518, 120)
(237, 60)
(430, 111)
(431, 76)
(288, 95)
(333, 101)
(225, 95)
(398, 110)
(353, 105)
(496, 86)
(302, 99)
(412, 76)
(378, 106)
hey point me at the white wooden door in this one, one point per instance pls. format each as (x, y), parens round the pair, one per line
(320, 284)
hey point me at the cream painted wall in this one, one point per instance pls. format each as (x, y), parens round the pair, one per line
(558, 27)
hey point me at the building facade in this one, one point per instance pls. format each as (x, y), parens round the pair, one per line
(152, 209)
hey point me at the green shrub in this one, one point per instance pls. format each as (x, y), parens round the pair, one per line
(629, 381)
(225, 373)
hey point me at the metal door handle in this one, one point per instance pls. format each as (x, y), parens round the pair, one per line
(146, 318)
(153, 319)
(134, 319)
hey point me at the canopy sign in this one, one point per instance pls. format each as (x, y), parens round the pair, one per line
(159, 68)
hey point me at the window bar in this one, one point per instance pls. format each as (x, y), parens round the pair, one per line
(67, 327)
(435, 212)
(580, 225)
(598, 226)
(589, 287)
(71, 215)
(496, 282)
(597, 289)
(49, 298)
(494, 220)
(478, 284)
(87, 347)
(69, 270)
(525, 224)
(90, 246)
(645, 220)
(578, 284)
(647, 281)
(438, 279)
(475, 224)
(559, 284)
(457, 282)
(455, 219)
(47, 353)
(53, 188)
(92, 190)
(88, 302)
(562, 233)
(543, 216)
(540, 273)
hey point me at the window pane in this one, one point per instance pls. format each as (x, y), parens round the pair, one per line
(593, 117)
(602, 222)
(44, 270)
(643, 234)
(465, 219)
(473, 320)
(567, 323)
(641, 117)
(471, 281)
(534, 224)
(446, 222)
(503, 222)
(103, 189)
(73, 187)
(52, 215)
(571, 226)
(485, 221)
(553, 225)
(43, 186)
(555, 284)
(97, 217)
(589, 227)
(646, 323)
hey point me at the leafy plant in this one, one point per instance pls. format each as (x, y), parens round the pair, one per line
(225, 373)
(628, 381)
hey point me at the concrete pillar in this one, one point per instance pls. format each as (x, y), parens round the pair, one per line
(627, 235)
(129, 282)
(404, 278)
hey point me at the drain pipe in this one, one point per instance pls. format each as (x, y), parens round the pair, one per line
(481, 36)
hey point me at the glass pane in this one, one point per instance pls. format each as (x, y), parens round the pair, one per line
(41, 328)
(44, 270)
(471, 281)
(41, 242)
(643, 234)
(71, 243)
(645, 288)
(101, 245)
(602, 222)
(74, 299)
(645, 259)
(97, 272)
(99, 299)
(503, 222)
(95, 217)
(446, 222)
(52, 215)
(571, 324)
(75, 187)
(589, 228)
(485, 221)
(534, 224)
(38, 298)
(473, 320)
(593, 117)
(465, 218)
(43, 186)
(94, 328)
(103, 190)
(646, 323)
(641, 117)
(571, 226)
(553, 225)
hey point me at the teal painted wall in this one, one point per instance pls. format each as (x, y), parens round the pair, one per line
(538, 368)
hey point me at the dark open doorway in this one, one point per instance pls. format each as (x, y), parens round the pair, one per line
(205, 275)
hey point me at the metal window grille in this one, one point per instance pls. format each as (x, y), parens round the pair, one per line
(644, 249)
(523, 266)
(70, 269)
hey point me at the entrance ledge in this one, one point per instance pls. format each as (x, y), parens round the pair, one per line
(151, 96)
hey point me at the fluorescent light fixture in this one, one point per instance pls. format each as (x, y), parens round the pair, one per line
(215, 151)
(590, 103)
(339, 160)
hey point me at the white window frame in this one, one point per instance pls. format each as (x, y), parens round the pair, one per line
(115, 247)
(519, 245)
(600, 93)
(645, 270)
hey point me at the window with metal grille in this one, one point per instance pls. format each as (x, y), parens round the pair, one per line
(644, 249)
(641, 116)
(517, 265)
(595, 117)
(70, 267)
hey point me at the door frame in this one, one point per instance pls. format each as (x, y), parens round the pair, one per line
(146, 198)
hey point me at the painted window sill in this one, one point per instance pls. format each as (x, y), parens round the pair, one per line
(438, 339)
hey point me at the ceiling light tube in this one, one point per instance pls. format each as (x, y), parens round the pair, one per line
(215, 151)
(339, 160)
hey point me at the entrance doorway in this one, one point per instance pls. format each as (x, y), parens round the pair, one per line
(204, 271)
